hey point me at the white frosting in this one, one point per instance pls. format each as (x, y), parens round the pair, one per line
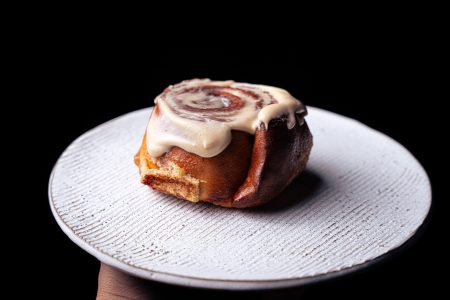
(193, 114)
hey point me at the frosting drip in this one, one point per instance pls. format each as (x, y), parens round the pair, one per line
(198, 115)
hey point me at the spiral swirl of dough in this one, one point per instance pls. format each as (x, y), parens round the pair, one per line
(217, 101)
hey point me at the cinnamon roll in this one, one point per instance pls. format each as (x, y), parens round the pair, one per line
(232, 144)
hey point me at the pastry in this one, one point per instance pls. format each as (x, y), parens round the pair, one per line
(228, 143)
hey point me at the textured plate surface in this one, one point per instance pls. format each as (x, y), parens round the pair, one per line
(362, 195)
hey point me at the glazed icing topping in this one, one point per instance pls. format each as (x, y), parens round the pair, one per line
(198, 115)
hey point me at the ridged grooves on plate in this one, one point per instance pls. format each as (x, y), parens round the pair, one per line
(372, 197)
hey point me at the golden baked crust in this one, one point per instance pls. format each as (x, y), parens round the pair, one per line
(249, 172)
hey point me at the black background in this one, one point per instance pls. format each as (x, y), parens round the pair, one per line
(385, 85)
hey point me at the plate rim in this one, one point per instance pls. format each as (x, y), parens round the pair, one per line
(198, 282)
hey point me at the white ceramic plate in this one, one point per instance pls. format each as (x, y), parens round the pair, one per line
(362, 195)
